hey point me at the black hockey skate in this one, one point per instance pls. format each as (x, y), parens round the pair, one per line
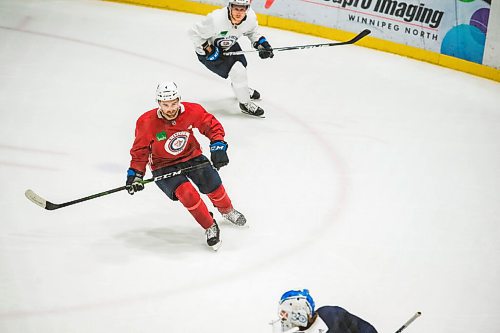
(235, 218)
(252, 109)
(213, 236)
(254, 94)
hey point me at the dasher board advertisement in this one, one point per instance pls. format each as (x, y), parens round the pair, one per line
(456, 28)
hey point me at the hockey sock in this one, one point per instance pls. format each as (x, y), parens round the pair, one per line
(190, 198)
(238, 76)
(221, 200)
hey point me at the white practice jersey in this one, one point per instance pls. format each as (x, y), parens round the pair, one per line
(218, 30)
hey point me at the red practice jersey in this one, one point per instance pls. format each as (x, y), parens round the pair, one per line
(162, 142)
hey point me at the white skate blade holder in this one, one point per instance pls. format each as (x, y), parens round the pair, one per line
(216, 246)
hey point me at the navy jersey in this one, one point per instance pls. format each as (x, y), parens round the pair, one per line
(338, 320)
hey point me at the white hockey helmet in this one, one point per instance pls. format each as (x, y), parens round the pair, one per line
(295, 309)
(240, 2)
(167, 91)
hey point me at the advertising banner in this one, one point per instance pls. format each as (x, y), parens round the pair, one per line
(456, 28)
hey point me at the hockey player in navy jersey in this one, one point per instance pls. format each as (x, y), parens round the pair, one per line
(218, 33)
(297, 314)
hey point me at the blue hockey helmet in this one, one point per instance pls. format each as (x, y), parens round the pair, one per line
(296, 307)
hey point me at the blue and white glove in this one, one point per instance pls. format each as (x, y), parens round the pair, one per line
(134, 181)
(218, 154)
(214, 54)
(264, 48)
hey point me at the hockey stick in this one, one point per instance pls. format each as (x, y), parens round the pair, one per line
(35, 198)
(361, 35)
(405, 325)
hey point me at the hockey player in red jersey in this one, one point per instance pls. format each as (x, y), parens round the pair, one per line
(219, 32)
(164, 139)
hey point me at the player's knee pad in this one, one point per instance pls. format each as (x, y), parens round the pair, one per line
(188, 195)
(218, 194)
(238, 74)
(191, 199)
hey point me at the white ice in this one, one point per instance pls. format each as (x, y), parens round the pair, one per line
(374, 181)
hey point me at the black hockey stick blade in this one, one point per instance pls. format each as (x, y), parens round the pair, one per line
(38, 200)
(359, 36)
(353, 40)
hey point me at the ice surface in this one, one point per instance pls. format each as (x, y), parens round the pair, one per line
(373, 181)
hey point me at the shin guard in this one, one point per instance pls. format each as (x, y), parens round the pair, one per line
(239, 80)
(190, 198)
(221, 200)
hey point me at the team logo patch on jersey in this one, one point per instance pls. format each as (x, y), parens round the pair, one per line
(225, 43)
(161, 136)
(223, 33)
(177, 142)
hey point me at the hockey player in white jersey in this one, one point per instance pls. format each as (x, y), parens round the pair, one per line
(219, 32)
(297, 313)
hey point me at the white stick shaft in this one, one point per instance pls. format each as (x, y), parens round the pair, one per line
(405, 325)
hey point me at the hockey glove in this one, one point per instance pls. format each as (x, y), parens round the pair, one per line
(265, 50)
(218, 154)
(134, 181)
(214, 54)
